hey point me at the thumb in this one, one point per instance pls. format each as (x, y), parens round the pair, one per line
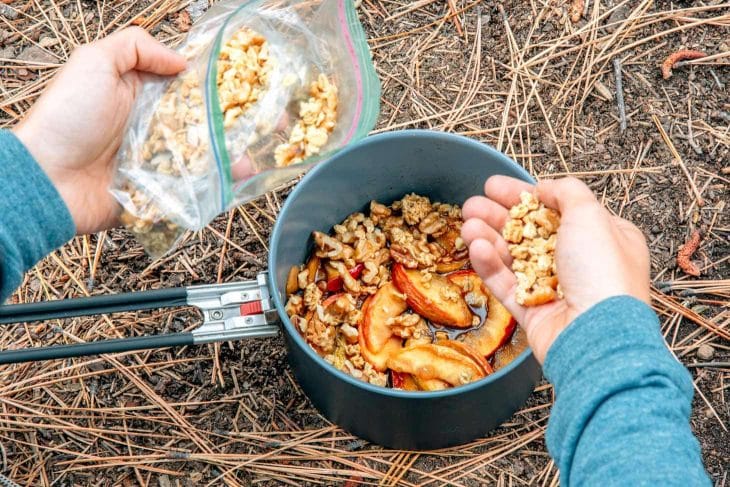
(135, 49)
(565, 193)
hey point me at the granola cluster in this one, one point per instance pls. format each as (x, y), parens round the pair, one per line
(317, 117)
(244, 66)
(531, 234)
(349, 305)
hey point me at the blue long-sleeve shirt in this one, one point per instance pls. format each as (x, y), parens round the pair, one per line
(621, 415)
(34, 219)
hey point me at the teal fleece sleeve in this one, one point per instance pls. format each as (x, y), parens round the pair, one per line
(621, 414)
(34, 221)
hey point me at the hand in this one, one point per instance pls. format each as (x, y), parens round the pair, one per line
(77, 125)
(597, 255)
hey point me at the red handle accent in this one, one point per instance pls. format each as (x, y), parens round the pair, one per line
(251, 308)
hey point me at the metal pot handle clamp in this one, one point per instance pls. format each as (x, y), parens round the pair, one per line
(230, 311)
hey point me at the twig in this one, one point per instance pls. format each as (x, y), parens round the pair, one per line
(678, 158)
(620, 93)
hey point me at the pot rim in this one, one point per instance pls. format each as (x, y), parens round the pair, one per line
(294, 333)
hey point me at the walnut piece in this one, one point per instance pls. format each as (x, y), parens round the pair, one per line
(531, 233)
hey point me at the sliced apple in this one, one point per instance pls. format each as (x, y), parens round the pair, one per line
(450, 266)
(403, 381)
(433, 361)
(292, 284)
(386, 303)
(312, 268)
(431, 384)
(435, 299)
(498, 325)
(336, 282)
(469, 352)
(447, 240)
(379, 360)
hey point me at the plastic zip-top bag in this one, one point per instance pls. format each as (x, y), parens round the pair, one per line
(272, 87)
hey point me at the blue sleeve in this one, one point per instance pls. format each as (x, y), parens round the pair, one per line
(621, 415)
(34, 219)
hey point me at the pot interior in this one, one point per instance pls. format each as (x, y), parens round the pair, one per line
(445, 167)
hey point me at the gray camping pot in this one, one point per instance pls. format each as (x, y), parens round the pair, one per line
(445, 167)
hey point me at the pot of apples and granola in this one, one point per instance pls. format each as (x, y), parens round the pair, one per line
(390, 333)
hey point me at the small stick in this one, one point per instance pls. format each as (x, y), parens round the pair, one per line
(678, 158)
(690, 136)
(455, 17)
(620, 93)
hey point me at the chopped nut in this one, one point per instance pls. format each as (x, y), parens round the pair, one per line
(350, 333)
(312, 295)
(294, 306)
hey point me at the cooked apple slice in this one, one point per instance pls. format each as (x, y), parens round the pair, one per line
(379, 359)
(312, 268)
(450, 266)
(336, 282)
(403, 381)
(435, 299)
(431, 384)
(386, 303)
(498, 325)
(292, 285)
(432, 361)
(468, 351)
(447, 240)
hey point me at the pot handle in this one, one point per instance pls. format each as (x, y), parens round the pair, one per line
(231, 311)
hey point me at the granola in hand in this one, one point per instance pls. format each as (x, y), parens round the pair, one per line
(531, 234)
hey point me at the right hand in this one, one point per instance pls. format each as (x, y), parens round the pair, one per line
(598, 255)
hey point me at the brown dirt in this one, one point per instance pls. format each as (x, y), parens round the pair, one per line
(87, 422)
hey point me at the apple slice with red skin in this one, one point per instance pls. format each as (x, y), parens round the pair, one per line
(403, 381)
(468, 351)
(434, 361)
(386, 303)
(427, 297)
(431, 384)
(499, 323)
(335, 282)
(376, 310)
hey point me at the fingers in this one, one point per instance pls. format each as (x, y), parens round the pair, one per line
(565, 193)
(494, 214)
(499, 279)
(506, 190)
(134, 48)
(475, 228)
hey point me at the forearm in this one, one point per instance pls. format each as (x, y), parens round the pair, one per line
(623, 401)
(35, 221)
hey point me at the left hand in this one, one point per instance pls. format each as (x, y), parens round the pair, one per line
(76, 127)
